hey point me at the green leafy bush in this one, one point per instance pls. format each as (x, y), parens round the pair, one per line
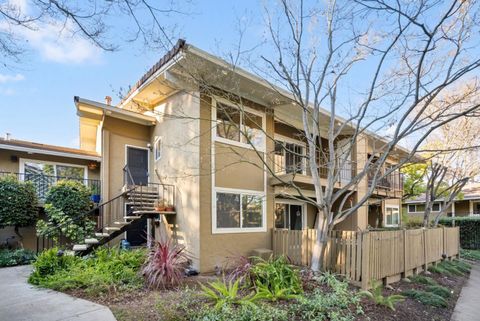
(473, 255)
(427, 298)
(438, 269)
(439, 290)
(240, 313)
(338, 304)
(377, 296)
(66, 206)
(107, 270)
(276, 279)
(18, 203)
(16, 257)
(223, 293)
(421, 279)
(469, 230)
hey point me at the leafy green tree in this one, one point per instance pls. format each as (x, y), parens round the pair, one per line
(66, 206)
(414, 179)
(18, 204)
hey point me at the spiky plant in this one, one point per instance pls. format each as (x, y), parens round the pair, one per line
(239, 268)
(165, 265)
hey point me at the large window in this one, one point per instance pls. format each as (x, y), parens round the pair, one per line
(420, 208)
(32, 167)
(289, 158)
(243, 127)
(239, 211)
(392, 214)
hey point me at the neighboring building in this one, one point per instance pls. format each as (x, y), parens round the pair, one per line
(467, 204)
(171, 130)
(44, 165)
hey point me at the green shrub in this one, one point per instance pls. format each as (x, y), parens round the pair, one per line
(66, 206)
(469, 230)
(240, 313)
(16, 257)
(452, 268)
(421, 279)
(473, 255)
(223, 293)
(49, 263)
(427, 298)
(18, 203)
(276, 279)
(439, 290)
(338, 304)
(377, 296)
(106, 270)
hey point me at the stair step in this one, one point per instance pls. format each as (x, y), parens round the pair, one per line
(101, 235)
(111, 228)
(91, 241)
(153, 212)
(134, 217)
(80, 247)
(121, 223)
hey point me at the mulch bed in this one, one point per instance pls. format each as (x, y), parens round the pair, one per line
(411, 309)
(145, 304)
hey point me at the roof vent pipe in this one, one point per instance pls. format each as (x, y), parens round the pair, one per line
(108, 100)
(7, 136)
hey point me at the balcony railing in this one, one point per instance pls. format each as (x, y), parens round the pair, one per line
(42, 183)
(391, 182)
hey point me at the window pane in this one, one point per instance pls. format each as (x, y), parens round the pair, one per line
(252, 211)
(158, 145)
(228, 122)
(420, 208)
(70, 172)
(228, 210)
(411, 208)
(294, 158)
(436, 207)
(33, 168)
(281, 214)
(253, 129)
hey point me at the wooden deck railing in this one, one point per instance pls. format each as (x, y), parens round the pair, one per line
(372, 255)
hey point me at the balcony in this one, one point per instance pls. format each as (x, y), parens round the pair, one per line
(42, 182)
(390, 185)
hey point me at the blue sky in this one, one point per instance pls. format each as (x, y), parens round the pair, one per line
(36, 97)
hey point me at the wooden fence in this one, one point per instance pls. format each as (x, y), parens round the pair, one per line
(371, 255)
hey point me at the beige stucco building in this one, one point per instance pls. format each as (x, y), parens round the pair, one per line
(230, 188)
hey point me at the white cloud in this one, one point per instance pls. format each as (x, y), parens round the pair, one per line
(11, 78)
(54, 40)
(7, 92)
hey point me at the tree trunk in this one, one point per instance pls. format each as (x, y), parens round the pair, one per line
(20, 237)
(320, 245)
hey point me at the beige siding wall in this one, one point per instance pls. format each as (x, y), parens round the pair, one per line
(7, 165)
(117, 134)
(179, 164)
(215, 248)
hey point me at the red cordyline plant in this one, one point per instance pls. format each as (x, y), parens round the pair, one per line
(239, 268)
(165, 265)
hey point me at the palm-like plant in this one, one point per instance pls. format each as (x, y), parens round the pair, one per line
(165, 265)
(222, 293)
(376, 296)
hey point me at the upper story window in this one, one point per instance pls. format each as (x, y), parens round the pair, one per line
(157, 148)
(289, 157)
(244, 128)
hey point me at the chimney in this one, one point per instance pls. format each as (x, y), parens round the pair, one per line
(8, 136)
(108, 100)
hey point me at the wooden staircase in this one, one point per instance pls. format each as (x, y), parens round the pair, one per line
(119, 214)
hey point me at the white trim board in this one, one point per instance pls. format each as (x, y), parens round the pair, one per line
(50, 152)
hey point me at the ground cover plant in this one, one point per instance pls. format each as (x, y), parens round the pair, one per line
(472, 255)
(107, 270)
(16, 257)
(428, 298)
(376, 295)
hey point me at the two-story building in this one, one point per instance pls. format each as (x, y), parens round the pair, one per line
(230, 150)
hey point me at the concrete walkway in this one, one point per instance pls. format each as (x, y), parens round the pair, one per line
(21, 301)
(468, 304)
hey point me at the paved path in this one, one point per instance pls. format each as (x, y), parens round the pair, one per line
(468, 304)
(19, 301)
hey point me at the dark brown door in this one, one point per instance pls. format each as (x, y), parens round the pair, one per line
(137, 163)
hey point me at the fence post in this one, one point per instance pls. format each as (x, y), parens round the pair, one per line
(365, 259)
(404, 274)
(444, 242)
(425, 266)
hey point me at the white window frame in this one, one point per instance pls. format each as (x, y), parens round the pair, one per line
(293, 202)
(225, 230)
(215, 100)
(22, 162)
(158, 140)
(289, 140)
(385, 218)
